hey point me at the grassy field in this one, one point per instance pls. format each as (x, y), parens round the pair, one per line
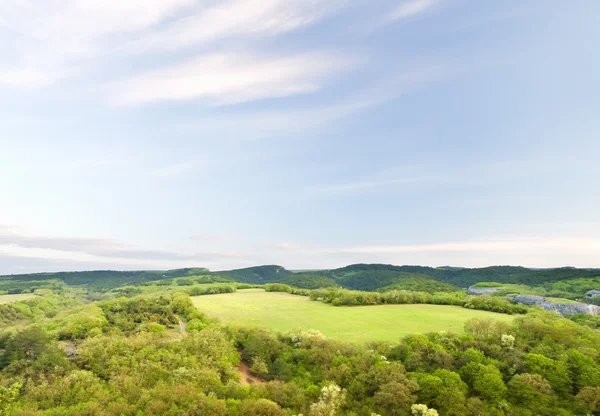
(284, 312)
(13, 298)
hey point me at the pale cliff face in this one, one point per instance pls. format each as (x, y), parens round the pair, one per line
(562, 308)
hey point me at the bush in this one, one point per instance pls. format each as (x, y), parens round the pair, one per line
(211, 290)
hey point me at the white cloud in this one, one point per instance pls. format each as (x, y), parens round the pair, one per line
(238, 18)
(411, 8)
(50, 39)
(223, 78)
(81, 251)
(265, 124)
(83, 21)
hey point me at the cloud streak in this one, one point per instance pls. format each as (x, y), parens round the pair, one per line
(237, 18)
(265, 124)
(94, 249)
(227, 78)
(584, 244)
(411, 8)
(74, 33)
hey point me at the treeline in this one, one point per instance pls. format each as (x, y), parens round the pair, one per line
(344, 297)
(189, 281)
(211, 290)
(129, 361)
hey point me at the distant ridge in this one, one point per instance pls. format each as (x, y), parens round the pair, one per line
(355, 276)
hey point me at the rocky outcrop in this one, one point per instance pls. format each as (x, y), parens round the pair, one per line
(562, 308)
(482, 291)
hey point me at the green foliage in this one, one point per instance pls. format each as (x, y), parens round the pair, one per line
(256, 275)
(8, 395)
(484, 285)
(308, 281)
(128, 314)
(101, 280)
(33, 308)
(125, 357)
(127, 291)
(279, 287)
(361, 276)
(211, 290)
(420, 284)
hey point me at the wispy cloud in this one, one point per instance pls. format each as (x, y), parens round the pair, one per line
(226, 78)
(410, 8)
(111, 253)
(524, 251)
(584, 244)
(76, 33)
(49, 39)
(269, 123)
(90, 246)
(234, 18)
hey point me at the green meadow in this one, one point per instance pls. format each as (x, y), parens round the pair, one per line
(13, 298)
(283, 312)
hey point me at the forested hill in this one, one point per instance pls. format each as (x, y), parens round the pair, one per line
(377, 276)
(368, 277)
(100, 279)
(257, 275)
(464, 277)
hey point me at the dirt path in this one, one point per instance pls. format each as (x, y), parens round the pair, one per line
(182, 327)
(246, 378)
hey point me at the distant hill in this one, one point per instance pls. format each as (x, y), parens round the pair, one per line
(256, 275)
(464, 277)
(373, 277)
(370, 277)
(278, 274)
(100, 279)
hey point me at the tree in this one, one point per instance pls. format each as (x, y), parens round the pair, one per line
(485, 380)
(555, 371)
(422, 410)
(443, 390)
(532, 392)
(332, 398)
(8, 395)
(260, 407)
(395, 397)
(590, 398)
(27, 344)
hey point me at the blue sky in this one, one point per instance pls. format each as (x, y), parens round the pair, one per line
(154, 134)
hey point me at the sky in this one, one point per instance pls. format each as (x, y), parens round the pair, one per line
(159, 134)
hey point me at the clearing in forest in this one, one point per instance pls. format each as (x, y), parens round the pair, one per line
(283, 312)
(14, 298)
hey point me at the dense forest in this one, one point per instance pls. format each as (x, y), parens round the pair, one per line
(64, 355)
